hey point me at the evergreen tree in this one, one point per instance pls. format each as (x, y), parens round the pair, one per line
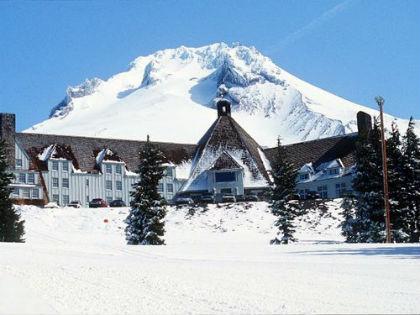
(397, 186)
(348, 224)
(283, 186)
(369, 223)
(145, 225)
(411, 175)
(11, 226)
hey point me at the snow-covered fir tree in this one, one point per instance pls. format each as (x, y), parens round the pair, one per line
(397, 187)
(369, 221)
(11, 226)
(145, 222)
(348, 224)
(283, 174)
(411, 176)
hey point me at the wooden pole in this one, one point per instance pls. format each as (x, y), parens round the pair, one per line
(380, 101)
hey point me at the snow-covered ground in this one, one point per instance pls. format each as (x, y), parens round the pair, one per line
(217, 260)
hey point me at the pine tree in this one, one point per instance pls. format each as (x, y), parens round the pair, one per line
(348, 224)
(369, 223)
(145, 225)
(397, 186)
(411, 174)
(283, 186)
(11, 226)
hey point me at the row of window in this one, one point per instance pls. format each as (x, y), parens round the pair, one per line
(64, 182)
(118, 185)
(26, 178)
(169, 187)
(26, 193)
(340, 190)
(332, 171)
(108, 168)
(65, 199)
(64, 165)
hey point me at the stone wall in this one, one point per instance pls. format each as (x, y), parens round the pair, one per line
(7, 133)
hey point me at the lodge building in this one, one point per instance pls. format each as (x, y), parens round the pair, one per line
(226, 161)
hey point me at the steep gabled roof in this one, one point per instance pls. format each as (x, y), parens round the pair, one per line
(226, 136)
(82, 151)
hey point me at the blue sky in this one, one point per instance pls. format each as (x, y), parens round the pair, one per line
(354, 48)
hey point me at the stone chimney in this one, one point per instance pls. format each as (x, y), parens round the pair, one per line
(223, 108)
(7, 134)
(364, 124)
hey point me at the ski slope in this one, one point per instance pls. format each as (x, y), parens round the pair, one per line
(216, 260)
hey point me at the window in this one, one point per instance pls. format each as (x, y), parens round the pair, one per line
(108, 184)
(26, 193)
(226, 191)
(118, 169)
(15, 191)
(31, 178)
(55, 182)
(55, 165)
(65, 182)
(22, 178)
(65, 166)
(108, 168)
(109, 199)
(19, 163)
(170, 188)
(304, 176)
(169, 172)
(35, 194)
(160, 187)
(118, 185)
(323, 191)
(225, 177)
(334, 171)
(87, 182)
(56, 199)
(66, 199)
(340, 189)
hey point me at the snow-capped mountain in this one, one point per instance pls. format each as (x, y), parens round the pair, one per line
(170, 96)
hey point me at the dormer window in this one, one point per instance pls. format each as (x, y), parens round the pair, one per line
(304, 176)
(169, 172)
(334, 171)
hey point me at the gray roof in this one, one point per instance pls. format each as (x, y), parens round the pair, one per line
(83, 150)
(321, 151)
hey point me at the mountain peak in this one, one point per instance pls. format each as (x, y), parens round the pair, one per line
(170, 94)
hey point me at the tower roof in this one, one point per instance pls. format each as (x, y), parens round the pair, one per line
(227, 137)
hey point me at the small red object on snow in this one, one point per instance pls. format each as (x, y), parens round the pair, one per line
(105, 220)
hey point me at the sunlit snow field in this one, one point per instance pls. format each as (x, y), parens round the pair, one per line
(217, 260)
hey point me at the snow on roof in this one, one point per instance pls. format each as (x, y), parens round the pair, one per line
(46, 153)
(101, 155)
(183, 170)
(330, 164)
(307, 168)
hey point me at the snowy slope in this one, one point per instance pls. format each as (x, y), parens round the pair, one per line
(170, 95)
(216, 261)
